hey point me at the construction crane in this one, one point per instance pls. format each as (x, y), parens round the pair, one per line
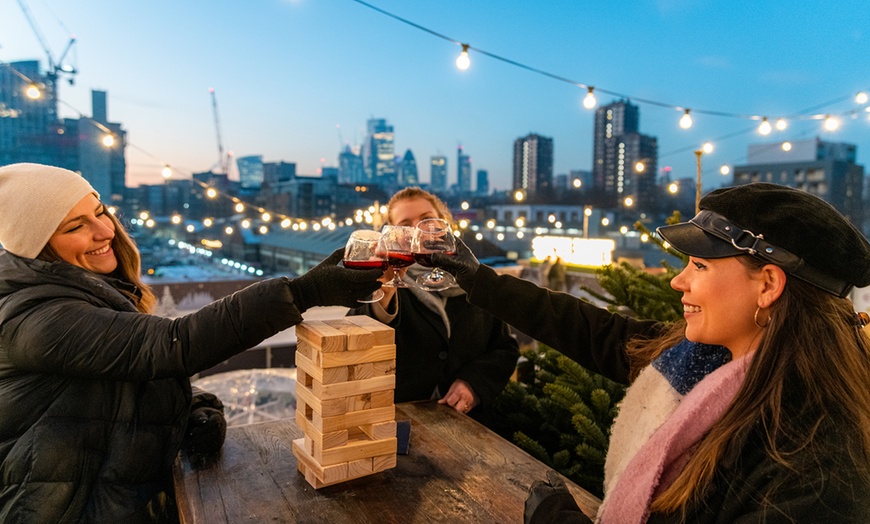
(223, 160)
(55, 67)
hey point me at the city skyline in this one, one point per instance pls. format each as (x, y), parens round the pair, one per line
(295, 81)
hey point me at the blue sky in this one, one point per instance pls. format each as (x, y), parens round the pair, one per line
(289, 74)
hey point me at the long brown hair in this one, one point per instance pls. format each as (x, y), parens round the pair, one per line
(410, 193)
(129, 266)
(808, 377)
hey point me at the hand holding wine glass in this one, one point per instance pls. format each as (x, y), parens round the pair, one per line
(395, 244)
(433, 235)
(361, 252)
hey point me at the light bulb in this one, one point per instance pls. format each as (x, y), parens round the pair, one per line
(786, 146)
(686, 120)
(589, 100)
(764, 128)
(462, 61)
(781, 124)
(167, 172)
(832, 123)
(725, 169)
(861, 98)
(33, 92)
(108, 140)
(707, 148)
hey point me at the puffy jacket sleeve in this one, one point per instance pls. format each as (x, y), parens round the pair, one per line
(75, 336)
(591, 336)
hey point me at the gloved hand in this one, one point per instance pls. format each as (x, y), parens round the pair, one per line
(463, 265)
(328, 284)
(206, 425)
(551, 502)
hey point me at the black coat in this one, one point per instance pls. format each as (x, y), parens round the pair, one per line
(752, 487)
(94, 396)
(480, 351)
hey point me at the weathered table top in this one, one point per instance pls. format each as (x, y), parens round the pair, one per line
(456, 470)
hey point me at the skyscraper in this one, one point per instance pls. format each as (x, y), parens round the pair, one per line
(463, 171)
(625, 162)
(379, 152)
(482, 182)
(438, 173)
(408, 170)
(350, 166)
(250, 172)
(533, 164)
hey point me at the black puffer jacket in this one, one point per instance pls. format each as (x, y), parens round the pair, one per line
(94, 396)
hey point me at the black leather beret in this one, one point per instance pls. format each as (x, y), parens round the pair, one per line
(793, 229)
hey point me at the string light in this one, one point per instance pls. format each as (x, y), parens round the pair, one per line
(686, 120)
(781, 124)
(108, 140)
(832, 123)
(463, 62)
(764, 128)
(589, 101)
(725, 169)
(861, 98)
(786, 146)
(33, 92)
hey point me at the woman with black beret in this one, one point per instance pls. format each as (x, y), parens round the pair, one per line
(755, 407)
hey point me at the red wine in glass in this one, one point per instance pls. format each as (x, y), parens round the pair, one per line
(366, 264)
(399, 259)
(425, 259)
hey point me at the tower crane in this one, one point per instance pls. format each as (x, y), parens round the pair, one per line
(55, 67)
(223, 160)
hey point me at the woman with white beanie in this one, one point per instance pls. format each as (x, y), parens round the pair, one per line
(95, 396)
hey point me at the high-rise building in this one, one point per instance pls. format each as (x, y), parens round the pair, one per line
(625, 162)
(825, 169)
(482, 182)
(350, 166)
(463, 171)
(408, 170)
(379, 152)
(250, 172)
(438, 173)
(533, 165)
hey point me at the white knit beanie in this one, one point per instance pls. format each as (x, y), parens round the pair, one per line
(34, 199)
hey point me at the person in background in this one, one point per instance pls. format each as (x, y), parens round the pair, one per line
(95, 399)
(755, 407)
(445, 347)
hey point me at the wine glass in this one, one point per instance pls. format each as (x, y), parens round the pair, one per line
(396, 245)
(433, 235)
(361, 252)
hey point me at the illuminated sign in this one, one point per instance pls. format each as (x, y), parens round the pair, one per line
(575, 250)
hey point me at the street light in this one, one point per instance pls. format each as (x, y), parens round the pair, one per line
(706, 148)
(587, 212)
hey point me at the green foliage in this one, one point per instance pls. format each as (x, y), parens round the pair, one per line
(563, 417)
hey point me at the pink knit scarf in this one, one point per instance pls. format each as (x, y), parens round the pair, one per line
(659, 461)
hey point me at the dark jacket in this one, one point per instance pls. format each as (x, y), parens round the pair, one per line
(480, 351)
(750, 487)
(94, 396)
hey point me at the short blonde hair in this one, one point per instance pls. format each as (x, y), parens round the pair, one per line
(410, 193)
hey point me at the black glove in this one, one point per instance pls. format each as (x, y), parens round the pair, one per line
(206, 425)
(328, 284)
(551, 502)
(463, 265)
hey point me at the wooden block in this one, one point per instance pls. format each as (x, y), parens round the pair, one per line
(326, 407)
(359, 468)
(329, 440)
(357, 387)
(355, 450)
(386, 367)
(382, 399)
(361, 356)
(357, 337)
(325, 376)
(352, 419)
(382, 333)
(315, 474)
(383, 462)
(358, 402)
(323, 336)
(360, 371)
(380, 430)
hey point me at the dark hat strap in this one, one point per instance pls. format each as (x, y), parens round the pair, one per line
(756, 245)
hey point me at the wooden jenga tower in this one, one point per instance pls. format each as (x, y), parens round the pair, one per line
(345, 380)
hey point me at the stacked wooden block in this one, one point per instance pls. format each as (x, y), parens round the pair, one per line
(345, 382)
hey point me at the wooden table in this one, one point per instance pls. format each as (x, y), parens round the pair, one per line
(456, 470)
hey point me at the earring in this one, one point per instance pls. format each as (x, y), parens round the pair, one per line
(755, 318)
